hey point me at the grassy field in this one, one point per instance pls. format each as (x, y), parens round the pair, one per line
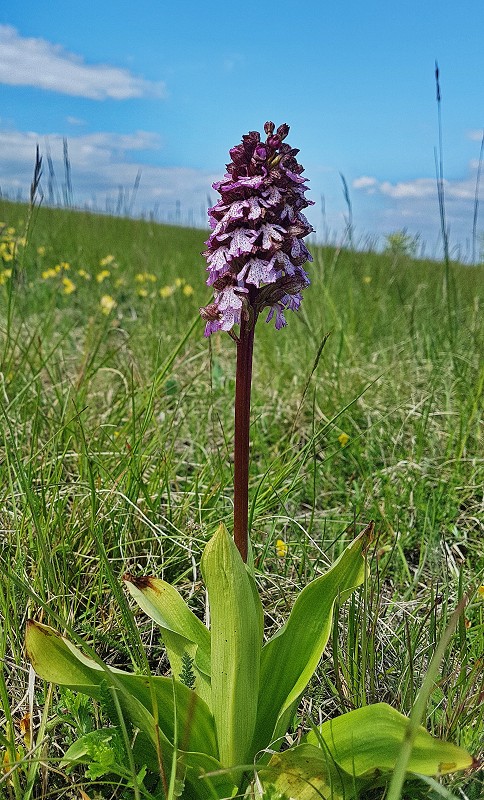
(116, 456)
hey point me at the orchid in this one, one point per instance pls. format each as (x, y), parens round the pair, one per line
(255, 253)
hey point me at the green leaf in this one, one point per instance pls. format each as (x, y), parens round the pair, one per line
(212, 779)
(102, 749)
(149, 702)
(306, 773)
(57, 660)
(181, 630)
(236, 647)
(289, 659)
(368, 740)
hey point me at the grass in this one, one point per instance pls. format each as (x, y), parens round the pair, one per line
(117, 429)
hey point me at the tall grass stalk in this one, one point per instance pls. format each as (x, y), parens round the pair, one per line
(476, 200)
(450, 291)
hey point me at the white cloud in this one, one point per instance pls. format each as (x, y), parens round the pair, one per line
(420, 188)
(383, 206)
(364, 182)
(476, 136)
(39, 63)
(101, 163)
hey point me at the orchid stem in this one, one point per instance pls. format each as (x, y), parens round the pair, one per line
(243, 382)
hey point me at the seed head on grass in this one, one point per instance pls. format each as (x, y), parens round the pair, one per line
(255, 253)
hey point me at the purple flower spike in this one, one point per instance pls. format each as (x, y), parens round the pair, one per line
(255, 250)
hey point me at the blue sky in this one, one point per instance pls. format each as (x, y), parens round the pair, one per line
(168, 88)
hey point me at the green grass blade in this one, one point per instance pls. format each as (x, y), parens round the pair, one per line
(409, 744)
(289, 659)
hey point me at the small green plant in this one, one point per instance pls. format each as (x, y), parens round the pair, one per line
(216, 726)
(400, 244)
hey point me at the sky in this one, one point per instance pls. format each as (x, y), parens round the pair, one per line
(162, 90)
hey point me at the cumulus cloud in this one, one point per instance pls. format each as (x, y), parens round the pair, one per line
(413, 204)
(420, 188)
(39, 63)
(364, 182)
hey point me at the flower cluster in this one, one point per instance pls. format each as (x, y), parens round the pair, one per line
(9, 244)
(255, 252)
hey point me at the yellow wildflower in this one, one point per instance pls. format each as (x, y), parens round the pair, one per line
(68, 285)
(107, 304)
(143, 292)
(7, 250)
(187, 290)
(41, 250)
(57, 269)
(49, 273)
(105, 273)
(281, 548)
(83, 274)
(366, 278)
(10, 231)
(166, 291)
(343, 439)
(480, 591)
(5, 275)
(143, 277)
(106, 261)
(64, 265)
(119, 282)
(179, 282)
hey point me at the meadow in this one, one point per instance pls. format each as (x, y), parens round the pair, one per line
(116, 456)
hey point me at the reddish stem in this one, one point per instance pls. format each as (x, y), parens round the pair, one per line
(243, 381)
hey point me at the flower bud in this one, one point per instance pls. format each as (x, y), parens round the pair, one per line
(283, 130)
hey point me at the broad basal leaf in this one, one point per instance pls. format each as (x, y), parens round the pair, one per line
(181, 630)
(369, 739)
(305, 773)
(236, 646)
(57, 660)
